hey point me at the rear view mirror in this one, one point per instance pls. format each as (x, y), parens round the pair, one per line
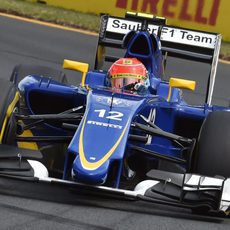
(180, 83)
(77, 66)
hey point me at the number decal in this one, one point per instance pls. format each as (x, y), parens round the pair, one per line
(113, 115)
(101, 112)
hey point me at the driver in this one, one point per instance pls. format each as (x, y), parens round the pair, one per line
(129, 74)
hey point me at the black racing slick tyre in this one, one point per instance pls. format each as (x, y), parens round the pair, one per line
(21, 71)
(50, 151)
(213, 148)
(8, 100)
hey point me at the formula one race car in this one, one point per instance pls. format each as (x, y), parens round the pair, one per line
(124, 131)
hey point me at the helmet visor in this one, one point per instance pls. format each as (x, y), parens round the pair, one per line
(123, 81)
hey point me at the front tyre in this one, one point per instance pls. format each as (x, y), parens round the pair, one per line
(21, 71)
(213, 148)
(8, 101)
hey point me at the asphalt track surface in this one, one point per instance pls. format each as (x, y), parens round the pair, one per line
(24, 42)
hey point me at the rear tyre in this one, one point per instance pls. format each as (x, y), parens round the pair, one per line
(21, 71)
(213, 147)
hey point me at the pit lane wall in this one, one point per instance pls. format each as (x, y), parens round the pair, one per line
(208, 15)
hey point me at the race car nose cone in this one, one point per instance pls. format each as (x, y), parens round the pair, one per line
(90, 176)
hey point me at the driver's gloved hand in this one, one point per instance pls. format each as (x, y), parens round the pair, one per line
(141, 88)
(130, 87)
(136, 87)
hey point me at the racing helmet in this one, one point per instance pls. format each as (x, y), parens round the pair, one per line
(128, 74)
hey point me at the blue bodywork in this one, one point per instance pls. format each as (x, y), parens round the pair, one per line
(102, 141)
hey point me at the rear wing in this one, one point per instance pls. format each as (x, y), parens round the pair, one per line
(176, 42)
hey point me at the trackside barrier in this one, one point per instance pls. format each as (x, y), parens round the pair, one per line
(208, 15)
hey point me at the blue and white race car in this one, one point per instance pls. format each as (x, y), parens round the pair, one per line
(138, 140)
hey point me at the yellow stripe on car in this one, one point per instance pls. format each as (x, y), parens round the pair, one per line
(8, 113)
(94, 165)
(27, 145)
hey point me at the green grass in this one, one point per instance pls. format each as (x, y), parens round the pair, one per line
(51, 14)
(66, 17)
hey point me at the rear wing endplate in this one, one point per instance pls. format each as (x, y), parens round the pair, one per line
(176, 42)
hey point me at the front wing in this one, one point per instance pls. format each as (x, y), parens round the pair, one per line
(21, 170)
(199, 193)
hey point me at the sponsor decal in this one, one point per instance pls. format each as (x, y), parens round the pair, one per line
(92, 158)
(122, 26)
(188, 37)
(128, 75)
(102, 124)
(168, 34)
(113, 100)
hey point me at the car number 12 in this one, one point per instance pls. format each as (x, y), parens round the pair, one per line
(113, 115)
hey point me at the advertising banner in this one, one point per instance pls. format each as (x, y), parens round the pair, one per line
(208, 15)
